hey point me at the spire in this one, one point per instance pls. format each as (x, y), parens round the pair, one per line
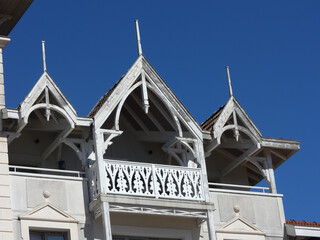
(229, 81)
(235, 122)
(44, 57)
(138, 37)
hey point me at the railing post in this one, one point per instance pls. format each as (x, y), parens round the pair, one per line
(154, 179)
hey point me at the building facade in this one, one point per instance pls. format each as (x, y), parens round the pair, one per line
(137, 167)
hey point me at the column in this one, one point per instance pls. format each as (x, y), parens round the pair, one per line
(6, 227)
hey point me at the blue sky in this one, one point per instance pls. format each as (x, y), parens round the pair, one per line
(272, 48)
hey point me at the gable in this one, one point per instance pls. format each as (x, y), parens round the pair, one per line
(142, 71)
(48, 212)
(240, 225)
(233, 109)
(55, 97)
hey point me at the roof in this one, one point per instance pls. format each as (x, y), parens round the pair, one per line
(207, 125)
(303, 223)
(103, 99)
(10, 13)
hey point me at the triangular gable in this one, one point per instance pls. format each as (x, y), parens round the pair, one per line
(226, 113)
(107, 104)
(48, 212)
(46, 81)
(241, 226)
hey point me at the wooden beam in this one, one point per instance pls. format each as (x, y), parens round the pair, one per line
(164, 113)
(150, 115)
(212, 145)
(136, 118)
(242, 158)
(283, 157)
(227, 154)
(259, 159)
(56, 142)
(39, 115)
(237, 145)
(254, 168)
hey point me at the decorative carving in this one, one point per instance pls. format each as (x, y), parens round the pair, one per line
(153, 180)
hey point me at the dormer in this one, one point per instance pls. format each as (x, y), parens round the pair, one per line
(45, 131)
(237, 153)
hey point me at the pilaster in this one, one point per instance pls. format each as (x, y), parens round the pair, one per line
(6, 227)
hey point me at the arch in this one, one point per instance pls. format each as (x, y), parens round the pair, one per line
(150, 87)
(174, 116)
(240, 128)
(124, 98)
(50, 106)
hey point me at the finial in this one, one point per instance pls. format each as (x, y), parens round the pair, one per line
(138, 37)
(229, 81)
(44, 57)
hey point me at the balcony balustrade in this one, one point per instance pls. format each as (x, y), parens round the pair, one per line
(148, 180)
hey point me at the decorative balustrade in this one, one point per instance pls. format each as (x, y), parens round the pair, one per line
(151, 180)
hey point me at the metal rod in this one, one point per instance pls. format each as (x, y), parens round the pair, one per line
(44, 57)
(138, 37)
(229, 81)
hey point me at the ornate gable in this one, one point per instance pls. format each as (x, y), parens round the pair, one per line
(46, 94)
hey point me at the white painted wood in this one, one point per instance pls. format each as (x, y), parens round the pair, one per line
(145, 100)
(118, 93)
(271, 172)
(106, 221)
(242, 158)
(138, 37)
(10, 113)
(136, 118)
(164, 113)
(121, 103)
(150, 115)
(210, 223)
(56, 142)
(44, 56)
(229, 81)
(136, 179)
(46, 81)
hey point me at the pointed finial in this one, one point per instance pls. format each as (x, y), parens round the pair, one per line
(229, 81)
(138, 37)
(44, 57)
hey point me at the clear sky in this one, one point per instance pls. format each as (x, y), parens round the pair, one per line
(272, 48)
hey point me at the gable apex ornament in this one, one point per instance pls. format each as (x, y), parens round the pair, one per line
(138, 37)
(229, 81)
(44, 56)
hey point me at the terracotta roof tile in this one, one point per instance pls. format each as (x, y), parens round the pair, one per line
(207, 125)
(103, 99)
(303, 223)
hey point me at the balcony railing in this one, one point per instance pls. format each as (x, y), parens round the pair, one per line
(46, 172)
(149, 180)
(222, 187)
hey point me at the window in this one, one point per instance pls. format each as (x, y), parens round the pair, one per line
(35, 235)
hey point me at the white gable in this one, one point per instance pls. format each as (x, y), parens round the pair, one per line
(48, 212)
(154, 83)
(44, 82)
(240, 225)
(246, 124)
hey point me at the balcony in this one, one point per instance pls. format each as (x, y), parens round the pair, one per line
(67, 190)
(148, 180)
(255, 204)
